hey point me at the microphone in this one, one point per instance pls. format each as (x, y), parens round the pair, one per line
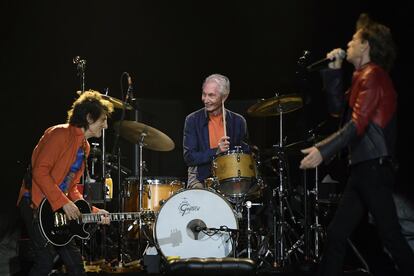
(322, 63)
(129, 91)
(198, 228)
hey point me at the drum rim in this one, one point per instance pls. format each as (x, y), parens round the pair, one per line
(235, 179)
(154, 234)
(159, 179)
(231, 152)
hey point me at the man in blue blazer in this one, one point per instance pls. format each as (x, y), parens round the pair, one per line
(205, 131)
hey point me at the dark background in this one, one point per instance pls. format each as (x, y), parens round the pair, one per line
(169, 47)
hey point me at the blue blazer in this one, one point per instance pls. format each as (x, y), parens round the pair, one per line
(196, 142)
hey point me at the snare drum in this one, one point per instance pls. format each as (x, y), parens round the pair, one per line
(236, 173)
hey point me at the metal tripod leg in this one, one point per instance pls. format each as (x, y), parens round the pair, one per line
(249, 205)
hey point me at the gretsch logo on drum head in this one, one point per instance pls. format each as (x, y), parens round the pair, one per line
(185, 207)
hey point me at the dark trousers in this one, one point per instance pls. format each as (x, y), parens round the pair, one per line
(45, 253)
(369, 189)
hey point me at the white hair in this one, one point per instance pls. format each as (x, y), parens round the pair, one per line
(222, 81)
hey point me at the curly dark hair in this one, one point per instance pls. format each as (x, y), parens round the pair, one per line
(90, 102)
(382, 46)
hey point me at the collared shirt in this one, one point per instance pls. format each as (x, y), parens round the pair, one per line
(198, 155)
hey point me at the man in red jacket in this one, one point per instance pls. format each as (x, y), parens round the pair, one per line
(58, 162)
(369, 133)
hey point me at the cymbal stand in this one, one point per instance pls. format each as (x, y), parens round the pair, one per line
(141, 189)
(316, 227)
(280, 225)
(141, 168)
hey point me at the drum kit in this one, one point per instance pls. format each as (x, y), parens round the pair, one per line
(215, 221)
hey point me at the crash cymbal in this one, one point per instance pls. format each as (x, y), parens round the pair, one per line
(153, 138)
(116, 102)
(276, 105)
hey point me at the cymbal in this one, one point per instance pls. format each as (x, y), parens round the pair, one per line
(116, 102)
(276, 105)
(154, 139)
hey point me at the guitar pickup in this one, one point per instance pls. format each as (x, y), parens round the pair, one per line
(60, 219)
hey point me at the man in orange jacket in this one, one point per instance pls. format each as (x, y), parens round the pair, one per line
(58, 162)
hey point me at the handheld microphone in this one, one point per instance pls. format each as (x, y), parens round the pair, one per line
(322, 63)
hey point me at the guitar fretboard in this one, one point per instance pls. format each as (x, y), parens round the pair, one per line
(91, 218)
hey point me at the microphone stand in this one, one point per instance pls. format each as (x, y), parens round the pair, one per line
(138, 164)
(120, 200)
(80, 65)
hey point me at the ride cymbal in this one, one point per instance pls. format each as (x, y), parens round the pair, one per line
(152, 138)
(276, 105)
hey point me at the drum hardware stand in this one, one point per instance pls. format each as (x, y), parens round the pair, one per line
(121, 251)
(306, 227)
(279, 235)
(278, 226)
(121, 195)
(140, 193)
(249, 205)
(316, 226)
(139, 164)
(81, 66)
(94, 159)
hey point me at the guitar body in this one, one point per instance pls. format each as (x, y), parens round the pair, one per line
(56, 229)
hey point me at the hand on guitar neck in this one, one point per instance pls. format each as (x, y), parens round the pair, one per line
(59, 230)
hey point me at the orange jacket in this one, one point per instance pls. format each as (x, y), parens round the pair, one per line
(51, 161)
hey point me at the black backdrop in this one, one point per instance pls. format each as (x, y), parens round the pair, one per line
(169, 47)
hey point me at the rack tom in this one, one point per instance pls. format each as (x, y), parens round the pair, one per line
(235, 173)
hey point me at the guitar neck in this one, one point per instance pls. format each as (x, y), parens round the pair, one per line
(92, 217)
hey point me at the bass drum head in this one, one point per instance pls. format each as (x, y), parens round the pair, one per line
(182, 215)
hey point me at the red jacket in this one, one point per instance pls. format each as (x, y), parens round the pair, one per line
(52, 158)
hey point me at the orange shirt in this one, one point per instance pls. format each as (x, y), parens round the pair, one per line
(215, 129)
(51, 162)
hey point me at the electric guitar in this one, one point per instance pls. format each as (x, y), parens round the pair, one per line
(59, 231)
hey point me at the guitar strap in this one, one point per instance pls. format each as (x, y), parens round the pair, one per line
(85, 160)
(75, 167)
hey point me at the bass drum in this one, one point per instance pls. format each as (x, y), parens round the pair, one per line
(177, 227)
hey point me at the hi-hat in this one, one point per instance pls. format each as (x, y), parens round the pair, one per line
(116, 102)
(152, 138)
(275, 106)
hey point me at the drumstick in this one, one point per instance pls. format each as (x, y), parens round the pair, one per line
(224, 117)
